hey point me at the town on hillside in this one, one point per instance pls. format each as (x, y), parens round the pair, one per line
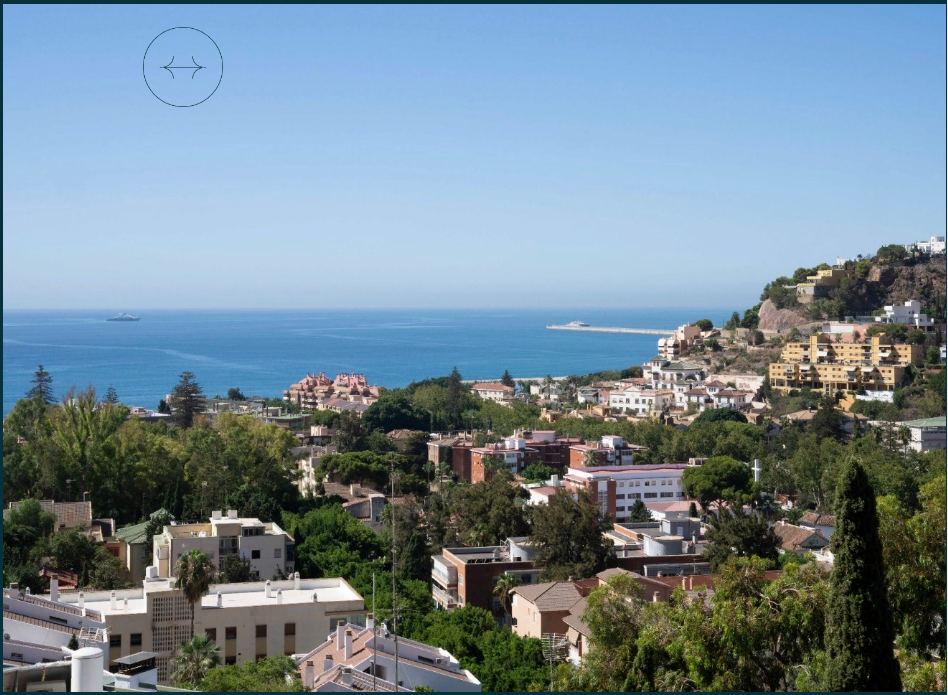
(746, 494)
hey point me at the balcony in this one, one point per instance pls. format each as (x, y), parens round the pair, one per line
(448, 599)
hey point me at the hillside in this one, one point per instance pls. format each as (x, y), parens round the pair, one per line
(870, 285)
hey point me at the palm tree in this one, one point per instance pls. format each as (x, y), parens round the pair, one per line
(195, 657)
(478, 535)
(194, 574)
(505, 584)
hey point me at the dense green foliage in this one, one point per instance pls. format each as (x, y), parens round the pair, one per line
(567, 536)
(275, 674)
(720, 478)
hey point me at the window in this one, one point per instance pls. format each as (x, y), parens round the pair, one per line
(211, 633)
(254, 554)
(261, 631)
(115, 641)
(230, 660)
(651, 495)
(278, 553)
(230, 633)
(289, 629)
(668, 494)
(135, 639)
(646, 483)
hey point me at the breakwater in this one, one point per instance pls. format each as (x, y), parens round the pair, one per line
(607, 329)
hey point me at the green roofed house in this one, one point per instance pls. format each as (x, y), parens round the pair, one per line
(135, 548)
(923, 435)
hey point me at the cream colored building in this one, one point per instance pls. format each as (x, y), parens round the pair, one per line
(875, 365)
(270, 549)
(819, 285)
(247, 621)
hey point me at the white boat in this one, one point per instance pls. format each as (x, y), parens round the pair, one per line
(577, 324)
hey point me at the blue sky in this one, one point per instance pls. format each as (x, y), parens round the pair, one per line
(459, 157)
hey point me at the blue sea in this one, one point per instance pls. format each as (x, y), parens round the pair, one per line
(263, 352)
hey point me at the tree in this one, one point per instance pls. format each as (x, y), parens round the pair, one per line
(42, 386)
(73, 643)
(235, 394)
(193, 659)
(734, 321)
(163, 407)
(455, 398)
(505, 584)
(235, 569)
(494, 504)
(507, 380)
(704, 324)
(692, 511)
(111, 396)
(349, 434)
(730, 532)
(633, 372)
(567, 536)
(273, 674)
(827, 421)
(393, 411)
(537, 472)
(639, 513)
(720, 478)
(186, 400)
(859, 630)
(913, 547)
(194, 573)
(720, 415)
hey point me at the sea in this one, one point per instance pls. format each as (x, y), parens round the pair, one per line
(264, 352)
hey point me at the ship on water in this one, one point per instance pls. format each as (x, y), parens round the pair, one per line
(578, 324)
(124, 317)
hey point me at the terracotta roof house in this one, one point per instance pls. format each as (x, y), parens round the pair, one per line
(824, 523)
(352, 655)
(493, 391)
(798, 539)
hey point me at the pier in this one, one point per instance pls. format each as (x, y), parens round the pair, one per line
(606, 329)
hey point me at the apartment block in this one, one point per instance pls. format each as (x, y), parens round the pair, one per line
(248, 621)
(611, 450)
(617, 487)
(270, 549)
(512, 454)
(877, 364)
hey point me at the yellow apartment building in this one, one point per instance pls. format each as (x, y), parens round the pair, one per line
(820, 284)
(875, 365)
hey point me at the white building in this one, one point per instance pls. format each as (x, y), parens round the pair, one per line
(934, 246)
(247, 621)
(494, 391)
(640, 401)
(924, 435)
(909, 313)
(37, 628)
(363, 658)
(684, 338)
(662, 371)
(269, 548)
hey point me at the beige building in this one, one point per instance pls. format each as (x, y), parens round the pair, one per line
(247, 621)
(270, 549)
(683, 339)
(819, 285)
(540, 609)
(875, 365)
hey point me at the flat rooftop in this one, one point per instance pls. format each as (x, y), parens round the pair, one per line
(329, 590)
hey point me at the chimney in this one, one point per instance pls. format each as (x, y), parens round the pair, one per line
(370, 621)
(352, 490)
(125, 604)
(296, 581)
(327, 663)
(659, 574)
(691, 583)
(347, 675)
(280, 597)
(82, 599)
(85, 496)
(341, 634)
(655, 597)
(112, 600)
(54, 589)
(231, 513)
(308, 678)
(348, 644)
(267, 588)
(684, 584)
(216, 516)
(220, 600)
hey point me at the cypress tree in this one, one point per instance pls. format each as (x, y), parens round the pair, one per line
(859, 629)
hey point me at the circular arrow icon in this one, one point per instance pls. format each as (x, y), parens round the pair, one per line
(183, 67)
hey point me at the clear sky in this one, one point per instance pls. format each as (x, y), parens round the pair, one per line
(458, 157)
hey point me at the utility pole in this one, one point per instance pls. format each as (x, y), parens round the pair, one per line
(394, 560)
(375, 640)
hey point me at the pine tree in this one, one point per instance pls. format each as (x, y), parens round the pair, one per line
(506, 379)
(185, 400)
(111, 396)
(859, 630)
(42, 385)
